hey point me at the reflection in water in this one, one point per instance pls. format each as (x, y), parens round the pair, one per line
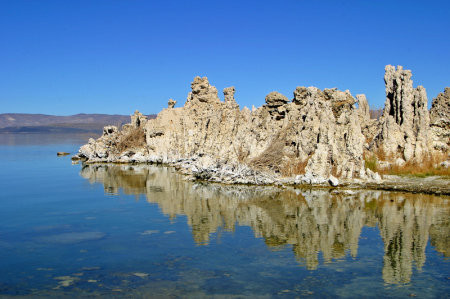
(314, 222)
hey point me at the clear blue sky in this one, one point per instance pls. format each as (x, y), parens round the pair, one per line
(68, 57)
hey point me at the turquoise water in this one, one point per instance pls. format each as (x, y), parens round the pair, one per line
(122, 231)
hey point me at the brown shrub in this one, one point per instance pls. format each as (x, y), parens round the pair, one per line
(382, 155)
(272, 157)
(293, 166)
(241, 152)
(129, 139)
(428, 167)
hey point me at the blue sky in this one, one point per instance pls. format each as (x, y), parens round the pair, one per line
(68, 57)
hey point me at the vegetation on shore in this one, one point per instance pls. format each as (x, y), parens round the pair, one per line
(429, 166)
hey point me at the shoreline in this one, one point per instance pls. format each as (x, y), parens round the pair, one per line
(434, 185)
(320, 138)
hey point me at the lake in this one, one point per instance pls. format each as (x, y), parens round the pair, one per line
(141, 231)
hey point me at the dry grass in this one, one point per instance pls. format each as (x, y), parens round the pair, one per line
(132, 138)
(272, 157)
(382, 155)
(241, 153)
(425, 168)
(293, 166)
(371, 161)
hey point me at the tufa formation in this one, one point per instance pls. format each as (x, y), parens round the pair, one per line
(323, 134)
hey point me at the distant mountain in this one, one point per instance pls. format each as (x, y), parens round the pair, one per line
(21, 119)
(93, 129)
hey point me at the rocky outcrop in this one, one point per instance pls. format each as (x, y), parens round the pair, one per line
(363, 108)
(229, 97)
(138, 119)
(440, 120)
(320, 127)
(404, 125)
(320, 133)
(117, 146)
(326, 132)
(275, 102)
(440, 106)
(369, 127)
(202, 91)
(171, 103)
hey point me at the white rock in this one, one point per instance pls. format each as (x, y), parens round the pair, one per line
(333, 181)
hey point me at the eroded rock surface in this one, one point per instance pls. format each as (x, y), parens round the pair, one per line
(171, 103)
(109, 147)
(369, 127)
(321, 132)
(405, 122)
(320, 127)
(440, 120)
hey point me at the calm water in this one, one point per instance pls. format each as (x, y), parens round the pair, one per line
(142, 232)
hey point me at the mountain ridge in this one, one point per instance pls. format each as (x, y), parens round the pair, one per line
(29, 120)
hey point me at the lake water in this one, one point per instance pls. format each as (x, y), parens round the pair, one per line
(123, 231)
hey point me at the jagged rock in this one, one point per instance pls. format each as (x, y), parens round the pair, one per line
(334, 182)
(369, 127)
(440, 120)
(110, 130)
(363, 108)
(445, 164)
(404, 125)
(310, 179)
(399, 162)
(275, 105)
(328, 132)
(202, 91)
(310, 132)
(374, 176)
(276, 99)
(229, 94)
(300, 95)
(138, 119)
(172, 103)
(340, 101)
(440, 106)
(229, 97)
(322, 130)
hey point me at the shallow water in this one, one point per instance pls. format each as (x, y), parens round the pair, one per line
(142, 232)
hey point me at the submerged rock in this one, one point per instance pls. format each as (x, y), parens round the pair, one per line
(71, 238)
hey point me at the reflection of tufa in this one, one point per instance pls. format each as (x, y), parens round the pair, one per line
(313, 221)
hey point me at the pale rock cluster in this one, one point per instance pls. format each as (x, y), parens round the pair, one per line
(320, 127)
(215, 140)
(369, 126)
(440, 120)
(404, 126)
